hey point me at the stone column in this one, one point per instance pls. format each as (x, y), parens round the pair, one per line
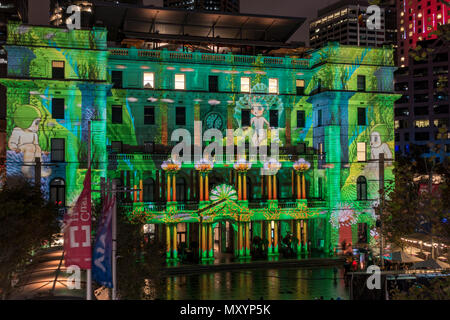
(275, 238)
(175, 242)
(269, 237)
(210, 241)
(168, 248)
(299, 236)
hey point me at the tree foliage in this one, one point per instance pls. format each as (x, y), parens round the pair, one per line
(435, 289)
(27, 222)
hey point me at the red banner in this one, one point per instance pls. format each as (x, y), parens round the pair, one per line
(77, 230)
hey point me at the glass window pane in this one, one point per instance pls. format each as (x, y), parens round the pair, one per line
(149, 80)
(179, 82)
(245, 84)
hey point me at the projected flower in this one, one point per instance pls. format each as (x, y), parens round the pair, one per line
(343, 216)
(204, 165)
(272, 166)
(301, 165)
(171, 165)
(242, 165)
(223, 191)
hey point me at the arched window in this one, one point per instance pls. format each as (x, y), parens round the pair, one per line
(361, 188)
(58, 192)
(149, 190)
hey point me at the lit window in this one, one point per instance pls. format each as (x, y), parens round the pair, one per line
(179, 81)
(422, 123)
(361, 151)
(149, 80)
(273, 85)
(245, 84)
(58, 69)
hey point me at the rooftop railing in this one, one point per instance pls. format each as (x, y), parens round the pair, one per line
(210, 58)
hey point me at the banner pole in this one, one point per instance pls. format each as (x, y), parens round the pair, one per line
(89, 271)
(114, 242)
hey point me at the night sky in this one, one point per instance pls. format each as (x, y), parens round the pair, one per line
(300, 8)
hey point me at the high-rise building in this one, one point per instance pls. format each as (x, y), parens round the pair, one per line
(424, 105)
(417, 19)
(208, 5)
(58, 10)
(345, 22)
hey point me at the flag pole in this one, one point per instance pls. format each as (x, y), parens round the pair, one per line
(114, 242)
(89, 271)
(357, 23)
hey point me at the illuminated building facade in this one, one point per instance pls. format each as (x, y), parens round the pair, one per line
(330, 113)
(417, 19)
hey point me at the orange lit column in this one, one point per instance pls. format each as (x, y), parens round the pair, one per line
(303, 186)
(201, 186)
(169, 193)
(141, 191)
(239, 186)
(206, 187)
(174, 188)
(299, 190)
(274, 195)
(269, 186)
(244, 185)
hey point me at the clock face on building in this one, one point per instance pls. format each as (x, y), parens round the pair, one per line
(214, 121)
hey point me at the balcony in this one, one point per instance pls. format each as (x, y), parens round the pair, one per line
(207, 58)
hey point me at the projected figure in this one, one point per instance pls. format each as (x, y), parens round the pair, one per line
(377, 147)
(24, 138)
(257, 124)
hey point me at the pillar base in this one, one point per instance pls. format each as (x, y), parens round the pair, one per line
(203, 204)
(301, 203)
(171, 206)
(272, 204)
(243, 203)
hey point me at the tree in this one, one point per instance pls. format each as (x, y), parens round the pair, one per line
(408, 210)
(140, 265)
(27, 222)
(435, 289)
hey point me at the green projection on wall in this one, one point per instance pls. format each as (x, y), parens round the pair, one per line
(346, 111)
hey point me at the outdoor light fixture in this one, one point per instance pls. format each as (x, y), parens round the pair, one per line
(204, 165)
(242, 165)
(301, 165)
(213, 102)
(272, 165)
(171, 165)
